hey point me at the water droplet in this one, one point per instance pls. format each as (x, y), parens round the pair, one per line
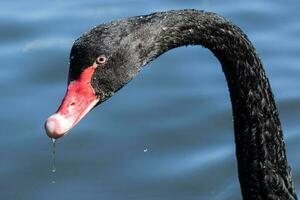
(53, 156)
(53, 161)
(145, 150)
(191, 31)
(164, 28)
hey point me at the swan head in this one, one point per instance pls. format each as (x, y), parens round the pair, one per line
(102, 61)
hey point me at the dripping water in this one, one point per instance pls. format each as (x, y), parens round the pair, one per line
(53, 159)
(53, 156)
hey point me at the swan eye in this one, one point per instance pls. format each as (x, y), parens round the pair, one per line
(101, 59)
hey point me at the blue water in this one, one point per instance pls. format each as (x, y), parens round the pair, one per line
(167, 135)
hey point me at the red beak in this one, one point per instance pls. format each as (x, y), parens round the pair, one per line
(80, 98)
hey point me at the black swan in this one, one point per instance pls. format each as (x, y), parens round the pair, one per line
(104, 59)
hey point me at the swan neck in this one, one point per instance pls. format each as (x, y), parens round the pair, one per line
(260, 150)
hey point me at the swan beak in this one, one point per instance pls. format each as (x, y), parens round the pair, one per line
(80, 98)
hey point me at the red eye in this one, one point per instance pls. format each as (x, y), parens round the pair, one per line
(101, 59)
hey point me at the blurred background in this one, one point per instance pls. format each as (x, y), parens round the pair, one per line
(167, 135)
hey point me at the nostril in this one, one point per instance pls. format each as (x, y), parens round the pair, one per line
(72, 104)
